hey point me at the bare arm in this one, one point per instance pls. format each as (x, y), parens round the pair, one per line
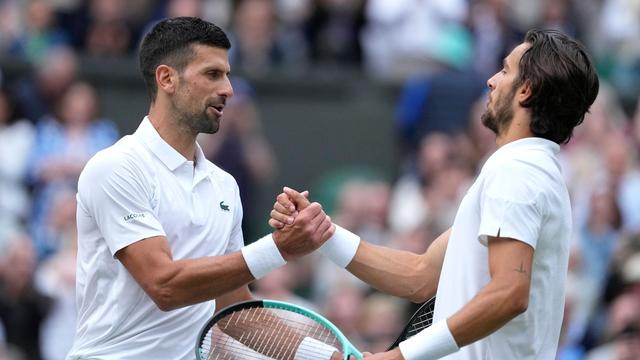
(401, 273)
(502, 299)
(505, 297)
(176, 283)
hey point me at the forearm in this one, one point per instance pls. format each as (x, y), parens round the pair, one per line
(187, 282)
(493, 307)
(395, 272)
(489, 310)
(401, 273)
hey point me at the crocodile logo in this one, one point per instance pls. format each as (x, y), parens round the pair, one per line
(223, 206)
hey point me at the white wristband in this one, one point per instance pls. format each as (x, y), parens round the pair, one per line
(312, 349)
(341, 247)
(262, 256)
(431, 343)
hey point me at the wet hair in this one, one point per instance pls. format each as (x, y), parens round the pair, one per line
(170, 42)
(563, 83)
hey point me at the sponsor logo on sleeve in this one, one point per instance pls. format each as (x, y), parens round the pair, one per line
(133, 216)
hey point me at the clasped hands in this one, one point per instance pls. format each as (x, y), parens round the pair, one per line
(300, 228)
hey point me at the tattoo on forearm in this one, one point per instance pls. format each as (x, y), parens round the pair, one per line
(521, 270)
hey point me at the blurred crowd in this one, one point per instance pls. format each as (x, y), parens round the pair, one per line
(440, 51)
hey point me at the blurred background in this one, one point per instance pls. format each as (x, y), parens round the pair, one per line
(372, 105)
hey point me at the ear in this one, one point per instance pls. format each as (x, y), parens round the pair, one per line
(524, 92)
(166, 78)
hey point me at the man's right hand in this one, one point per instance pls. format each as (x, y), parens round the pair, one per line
(306, 231)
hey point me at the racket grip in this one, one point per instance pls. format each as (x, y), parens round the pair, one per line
(341, 247)
(262, 256)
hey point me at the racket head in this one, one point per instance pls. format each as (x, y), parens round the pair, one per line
(420, 320)
(266, 342)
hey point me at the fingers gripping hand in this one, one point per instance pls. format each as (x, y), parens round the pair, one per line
(311, 228)
(286, 207)
(299, 199)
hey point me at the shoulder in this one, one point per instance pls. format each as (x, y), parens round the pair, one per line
(525, 175)
(125, 158)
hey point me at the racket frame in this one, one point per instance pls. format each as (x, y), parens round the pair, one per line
(403, 334)
(347, 348)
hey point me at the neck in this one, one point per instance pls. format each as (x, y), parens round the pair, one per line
(172, 132)
(518, 128)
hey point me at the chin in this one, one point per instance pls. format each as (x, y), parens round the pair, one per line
(209, 126)
(489, 122)
(210, 130)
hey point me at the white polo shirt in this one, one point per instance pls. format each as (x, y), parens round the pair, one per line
(520, 193)
(138, 188)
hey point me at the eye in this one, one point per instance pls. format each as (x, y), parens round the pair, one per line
(214, 74)
(503, 71)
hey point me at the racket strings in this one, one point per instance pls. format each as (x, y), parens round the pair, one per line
(421, 321)
(259, 333)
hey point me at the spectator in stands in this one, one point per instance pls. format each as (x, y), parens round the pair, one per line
(381, 320)
(37, 95)
(257, 42)
(16, 140)
(10, 25)
(22, 307)
(65, 140)
(42, 33)
(56, 278)
(333, 30)
(109, 33)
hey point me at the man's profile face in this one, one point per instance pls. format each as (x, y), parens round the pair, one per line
(500, 104)
(203, 89)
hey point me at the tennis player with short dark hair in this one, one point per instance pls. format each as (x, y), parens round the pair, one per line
(499, 273)
(159, 232)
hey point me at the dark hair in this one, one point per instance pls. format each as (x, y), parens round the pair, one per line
(563, 82)
(169, 42)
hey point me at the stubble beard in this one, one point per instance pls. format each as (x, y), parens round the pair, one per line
(195, 121)
(503, 115)
(202, 123)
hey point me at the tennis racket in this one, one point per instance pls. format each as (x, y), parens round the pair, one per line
(420, 320)
(268, 329)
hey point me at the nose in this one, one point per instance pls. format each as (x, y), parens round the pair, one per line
(227, 89)
(491, 82)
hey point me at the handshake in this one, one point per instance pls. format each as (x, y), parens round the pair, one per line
(301, 227)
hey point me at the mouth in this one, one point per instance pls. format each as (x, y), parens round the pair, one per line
(217, 109)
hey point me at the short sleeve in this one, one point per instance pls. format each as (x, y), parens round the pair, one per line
(118, 196)
(236, 239)
(510, 204)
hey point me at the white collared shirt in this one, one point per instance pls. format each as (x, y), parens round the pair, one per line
(139, 188)
(520, 193)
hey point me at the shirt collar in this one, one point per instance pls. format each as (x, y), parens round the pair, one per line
(171, 158)
(529, 143)
(204, 167)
